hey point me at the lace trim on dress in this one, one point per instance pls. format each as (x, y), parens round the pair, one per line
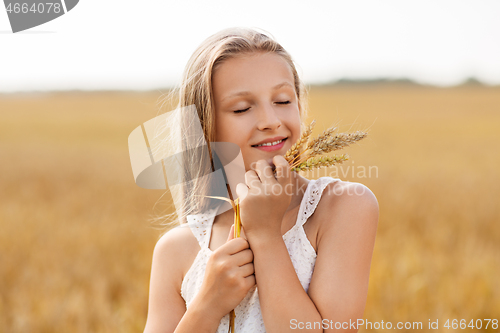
(201, 226)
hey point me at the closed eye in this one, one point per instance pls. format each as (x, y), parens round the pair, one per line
(241, 111)
(281, 103)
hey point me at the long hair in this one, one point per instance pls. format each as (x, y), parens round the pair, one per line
(196, 89)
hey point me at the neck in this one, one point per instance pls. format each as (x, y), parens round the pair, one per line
(299, 185)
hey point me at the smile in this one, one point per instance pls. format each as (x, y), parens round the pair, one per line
(271, 143)
(271, 146)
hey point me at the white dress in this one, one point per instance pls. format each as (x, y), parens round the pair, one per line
(248, 315)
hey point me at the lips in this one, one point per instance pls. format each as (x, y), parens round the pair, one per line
(272, 145)
(270, 142)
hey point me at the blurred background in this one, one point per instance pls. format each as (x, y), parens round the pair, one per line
(76, 237)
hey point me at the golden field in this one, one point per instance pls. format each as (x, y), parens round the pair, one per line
(76, 240)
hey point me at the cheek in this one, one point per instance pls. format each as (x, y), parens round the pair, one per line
(222, 129)
(229, 130)
(228, 133)
(294, 121)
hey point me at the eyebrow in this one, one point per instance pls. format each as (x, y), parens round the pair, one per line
(244, 93)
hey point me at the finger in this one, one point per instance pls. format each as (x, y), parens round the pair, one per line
(235, 245)
(243, 257)
(247, 269)
(251, 179)
(231, 234)
(251, 279)
(241, 191)
(282, 170)
(264, 171)
(242, 233)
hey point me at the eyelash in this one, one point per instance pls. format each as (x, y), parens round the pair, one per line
(281, 103)
(241, 111)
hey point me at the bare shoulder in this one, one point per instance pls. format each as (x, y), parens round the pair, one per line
(349, 191)
(179, 247)
(180, 235)
(173, 254)
(346, 204)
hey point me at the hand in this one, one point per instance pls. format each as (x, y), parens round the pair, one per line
(229, 275)
(264, 199)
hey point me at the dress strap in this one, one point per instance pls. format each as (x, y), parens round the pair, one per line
(311, 198)
(201, 226)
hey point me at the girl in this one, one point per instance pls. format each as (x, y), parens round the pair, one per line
(303, 260)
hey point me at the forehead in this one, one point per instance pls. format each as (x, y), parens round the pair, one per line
(253, 72)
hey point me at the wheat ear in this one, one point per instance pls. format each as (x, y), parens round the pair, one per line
(317, 162)
(327, 144)
(293, 152)
(322, 144)
(323, 136)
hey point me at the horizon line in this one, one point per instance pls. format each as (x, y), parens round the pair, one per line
(471, 81)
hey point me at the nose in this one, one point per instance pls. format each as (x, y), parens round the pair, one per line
(268, 119)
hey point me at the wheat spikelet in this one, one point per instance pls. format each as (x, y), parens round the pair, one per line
(295, 149)
(324, 143)
(318, 162)
(330, 143)
(323, 136)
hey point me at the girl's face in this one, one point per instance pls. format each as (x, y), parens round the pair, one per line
(255, 103)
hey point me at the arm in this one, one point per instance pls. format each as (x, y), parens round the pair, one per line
(282, 297)
(339, 285)
(167, 309)
(228, 277)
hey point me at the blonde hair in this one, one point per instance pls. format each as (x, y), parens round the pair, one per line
(196, 89)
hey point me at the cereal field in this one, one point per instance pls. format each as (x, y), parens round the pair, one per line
(76, 241)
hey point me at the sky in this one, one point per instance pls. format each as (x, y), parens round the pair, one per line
(144, 45)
